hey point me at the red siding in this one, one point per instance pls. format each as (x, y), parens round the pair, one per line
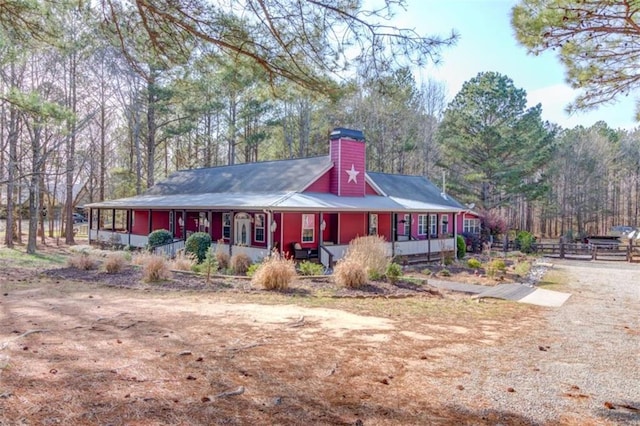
(292, 231)
(347, 154)
(160, 220)
(369, 189)
(352, 225)
(323, 184)
(384, 225)
(140, 222)
(216, 226)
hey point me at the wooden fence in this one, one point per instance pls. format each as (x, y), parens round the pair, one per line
(618, 252)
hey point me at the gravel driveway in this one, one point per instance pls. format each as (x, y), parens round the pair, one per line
(580, 367)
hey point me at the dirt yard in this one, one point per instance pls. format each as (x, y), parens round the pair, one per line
(104, 352)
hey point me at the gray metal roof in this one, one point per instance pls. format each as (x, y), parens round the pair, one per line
(263, 177)
(415, 188)
(278, 185)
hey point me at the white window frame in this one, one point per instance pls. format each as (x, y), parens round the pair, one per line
(433, 224)
(407, 225)
(226, 224)
(258, 225)
(308, 234)
(422, 224)
(471, 225)
(444, 226)
(373, 224)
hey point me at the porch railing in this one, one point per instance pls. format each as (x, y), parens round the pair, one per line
(169, 250)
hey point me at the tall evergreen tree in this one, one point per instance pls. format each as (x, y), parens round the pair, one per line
(493, 146)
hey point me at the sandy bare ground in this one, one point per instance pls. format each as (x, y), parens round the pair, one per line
(84, 353)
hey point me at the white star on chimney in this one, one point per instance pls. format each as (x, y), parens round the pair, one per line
(352, 174)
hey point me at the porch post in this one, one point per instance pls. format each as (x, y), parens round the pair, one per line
(149, 222)
(129, 223)
(429, 238)
(209, 219)
(394, 233)
(90, 224)
(232, 232)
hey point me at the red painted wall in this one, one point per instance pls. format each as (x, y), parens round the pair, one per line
(369, 189)
(352, 225)
(347, 154)
(384, 225)
(292, 231)
(140, 222)
(160, 220)
(323, 184)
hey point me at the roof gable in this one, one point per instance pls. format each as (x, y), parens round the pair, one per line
(263, 177)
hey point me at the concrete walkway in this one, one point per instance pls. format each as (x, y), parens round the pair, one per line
(516, 292)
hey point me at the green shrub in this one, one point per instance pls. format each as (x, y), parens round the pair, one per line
(160, 237)
(426, 271)
(461, 247)
(310, 268)
(495, 266)
(474, 263)
(445, 273)
(240, 263)
(252, 269)
(393, 273)
(210, 264)
(198, 244)
(525, 242)
(522, 269)
(349, 273)
(274, 273)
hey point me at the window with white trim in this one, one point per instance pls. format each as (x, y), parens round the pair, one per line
(226, 225)
(258, 228)
(433, 225)
(422, 224)
(471, 226)
(444, 224)
(308, 228)
(373, 224)
(407, 224)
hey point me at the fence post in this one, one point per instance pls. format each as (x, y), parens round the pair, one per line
(594, 254)
(561, 242)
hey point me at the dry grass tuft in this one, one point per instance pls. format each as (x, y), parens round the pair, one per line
(371, 253)
(155, 268)
(183, 262)
(349, 273)
(240, 263)
(83, 261)
(275, 273)
(114, 262)
(222, 257)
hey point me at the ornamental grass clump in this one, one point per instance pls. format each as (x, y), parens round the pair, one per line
(240, 263)
(371, 254)
(83, 261)
(350, 273)
(183, 262)
(222, 256)
(275, 273)
(114, 262)
(155, 268)
(495, 266)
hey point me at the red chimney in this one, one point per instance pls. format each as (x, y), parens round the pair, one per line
(347, 150)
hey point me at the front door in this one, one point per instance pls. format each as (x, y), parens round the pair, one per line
(242, 227)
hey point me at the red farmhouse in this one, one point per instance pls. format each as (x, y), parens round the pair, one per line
(310, 207)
